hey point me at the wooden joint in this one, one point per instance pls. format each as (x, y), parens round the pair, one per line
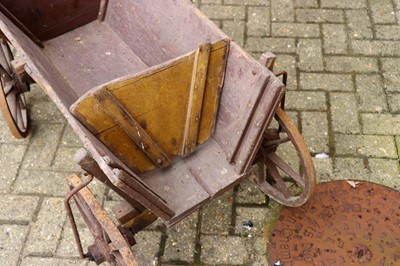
(19, 66)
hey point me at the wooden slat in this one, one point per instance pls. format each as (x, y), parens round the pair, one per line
(102, 10)
(139, 186)
(196, 96)
(132, 128)
(257, 124)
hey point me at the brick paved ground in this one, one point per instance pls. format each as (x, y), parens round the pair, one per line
(343, 58)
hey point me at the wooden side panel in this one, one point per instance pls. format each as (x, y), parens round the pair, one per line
(258, 123)
(47, 19)
(160, 30)
(244, 82)
(158, 100)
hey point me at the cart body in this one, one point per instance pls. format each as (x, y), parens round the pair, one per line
(87, 68)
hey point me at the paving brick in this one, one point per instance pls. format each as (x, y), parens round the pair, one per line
(388, 32)
(247, 2)
(12, 239)
(47, 228)
(385, 172)
(310, 55)
(381, 124)
(12, 153)
(383, 11)
(306, 100)
(41, 182)
(38, 261)
(227, 250)
(8, 174)
(344, 113)
(10, 159)
(306, 3)
(391, 74)
(64, 160)
(257, 216)
(216, 2)
(320, 15)
(303, 30)
(289, 64)
(326, 82)
(70, 138)
(394, 103)
(235, 30)
(46, 111)
(378, 48)
(36, 95)
(259, 21)
(351, 64)
(366, 145)
(315, 131)
(335, 40)
(217, 215)
(223, 12)
(248, 193)
(323, 168)
(17, 208)
(282, 10)
(181, 240)
(350, 168)
(67, 247)
(344, 4)
(359, 24)
(147, 249)
(275, 45)
(370, 93)
(397, 4)
(43, 146)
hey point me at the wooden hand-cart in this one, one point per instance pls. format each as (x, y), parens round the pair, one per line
(171, 112)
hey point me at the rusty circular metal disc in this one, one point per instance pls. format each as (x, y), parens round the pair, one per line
(340, 225)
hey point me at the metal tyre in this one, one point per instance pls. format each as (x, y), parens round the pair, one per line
(12, 100)
(289, 183)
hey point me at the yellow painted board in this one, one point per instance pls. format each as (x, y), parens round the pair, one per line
(158, 101)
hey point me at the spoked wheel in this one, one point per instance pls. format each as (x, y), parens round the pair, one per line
(109, 245)
(12, 99)
(285, 170)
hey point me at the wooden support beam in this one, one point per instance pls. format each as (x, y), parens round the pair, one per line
(195, 103)
(132, 128)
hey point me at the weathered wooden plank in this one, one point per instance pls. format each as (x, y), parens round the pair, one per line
(195, 101)
(132, 128)
(162, 30)
(178, 187)
(85, 160)
(212, 170)
(147, 193)
(90, 56)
